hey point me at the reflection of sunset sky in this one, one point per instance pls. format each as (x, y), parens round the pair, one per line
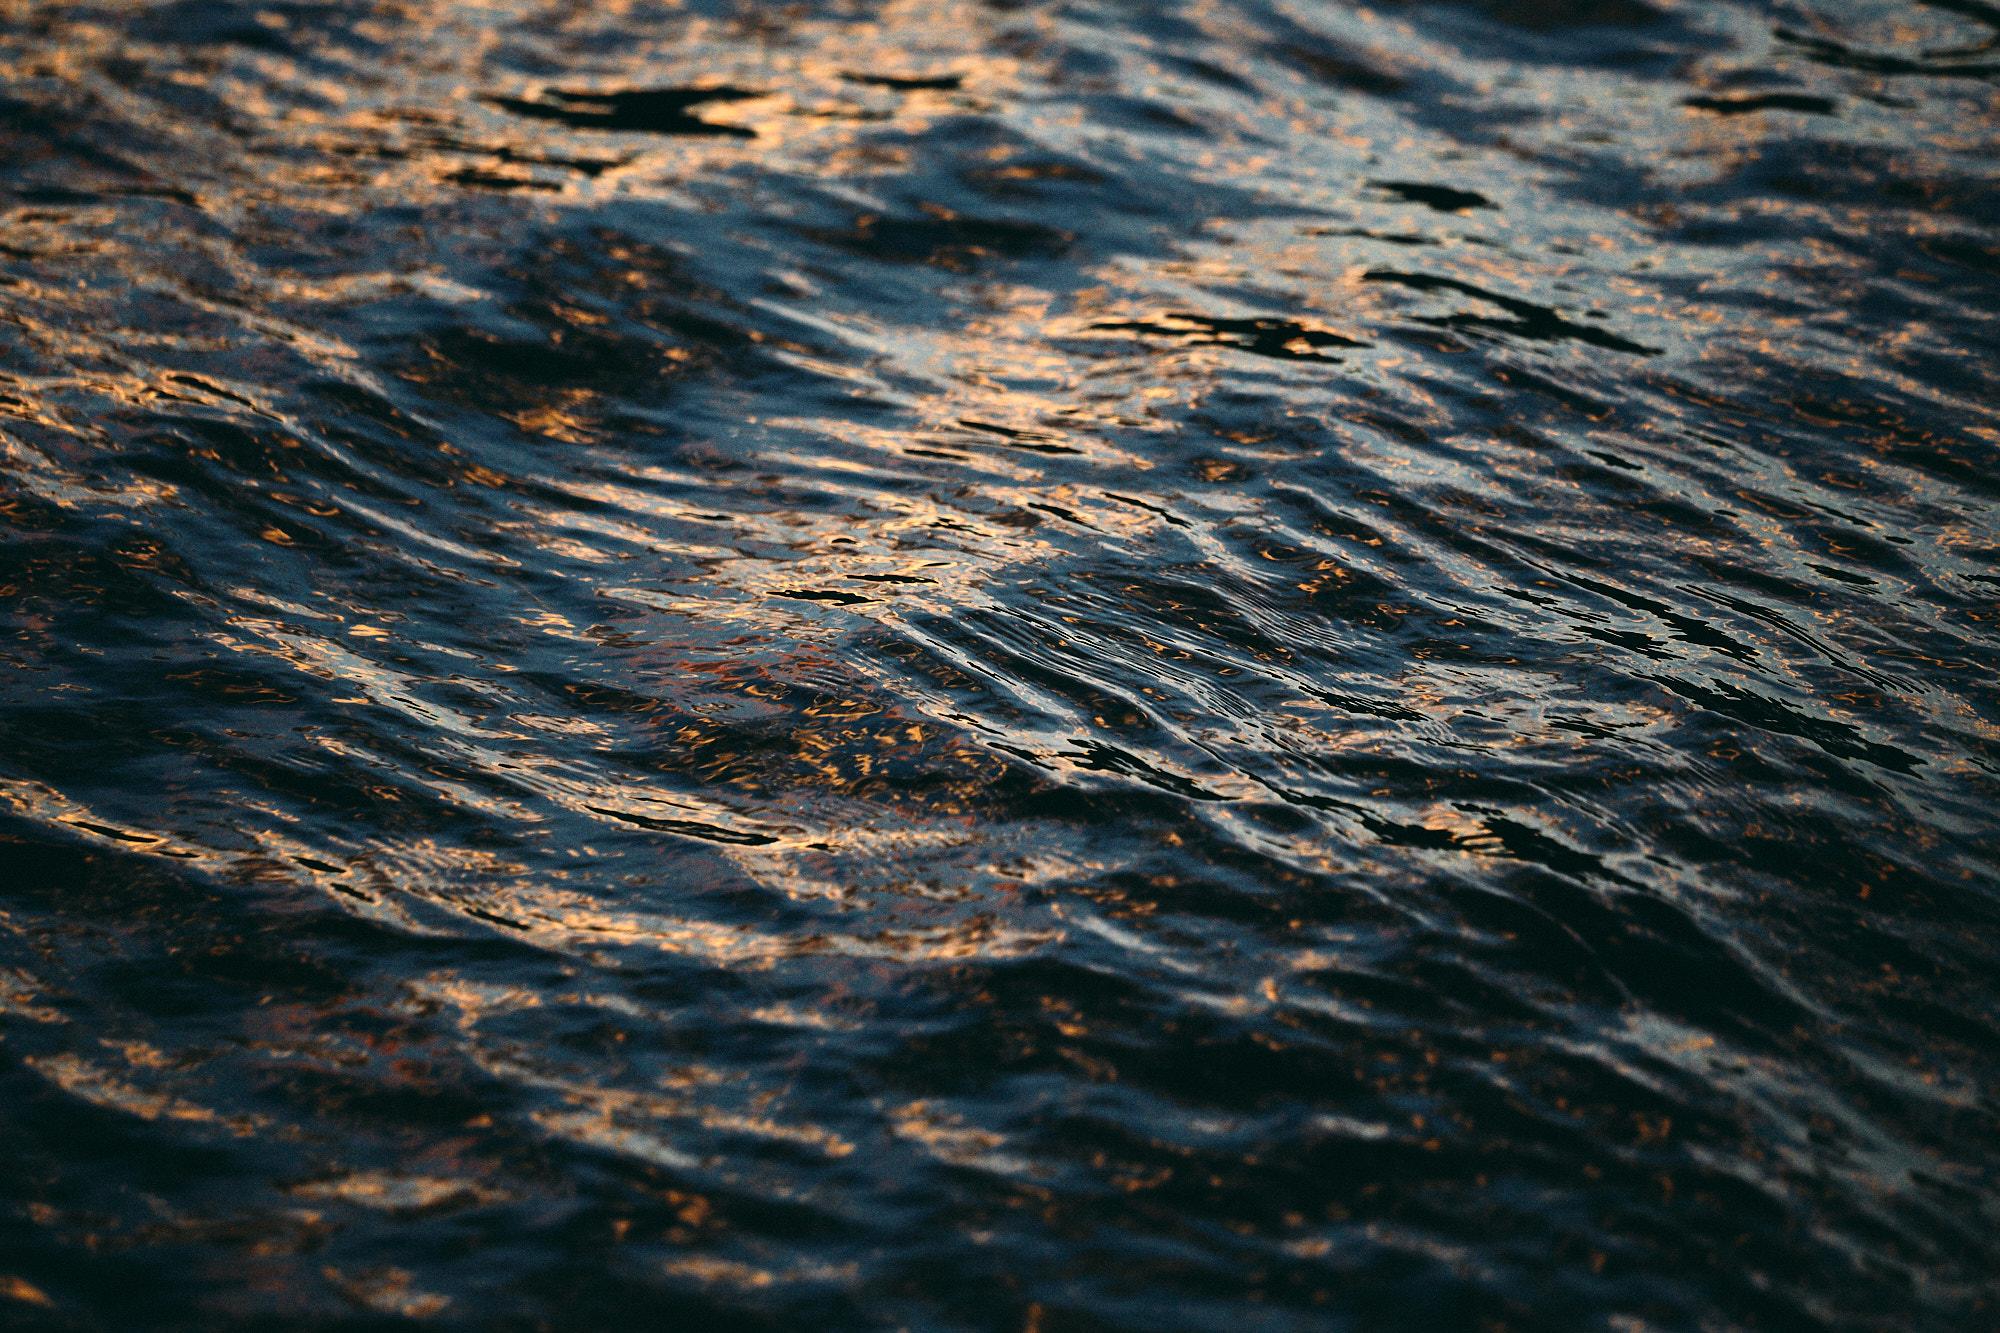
(725, 440)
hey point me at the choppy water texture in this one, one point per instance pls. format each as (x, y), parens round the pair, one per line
(1252, 665)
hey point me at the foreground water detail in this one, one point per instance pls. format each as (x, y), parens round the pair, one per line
(1020, 665)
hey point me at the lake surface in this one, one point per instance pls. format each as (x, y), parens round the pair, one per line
(1207, 664)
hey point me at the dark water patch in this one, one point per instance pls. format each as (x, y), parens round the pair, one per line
(1341, 69)
(944, 240)
(1742, 104)
(1385, 238)
(1551, 15)
(1826, 51)
(1209, 72)
(1964, 252)
(1440, 198)
(639, 111)
(1531, 321)
(910, 83)
(1279, 338)
(494, 180)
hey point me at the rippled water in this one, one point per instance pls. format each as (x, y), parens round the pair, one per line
(1035, 665)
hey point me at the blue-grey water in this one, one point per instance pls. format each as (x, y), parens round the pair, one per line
(1035, 665)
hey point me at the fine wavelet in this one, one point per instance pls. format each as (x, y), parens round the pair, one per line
(999, 665)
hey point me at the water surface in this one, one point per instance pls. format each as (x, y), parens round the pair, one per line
(1038, 665)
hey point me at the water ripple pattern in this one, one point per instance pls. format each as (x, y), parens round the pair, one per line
(1040, 664)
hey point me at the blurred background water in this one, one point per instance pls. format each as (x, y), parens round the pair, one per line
(1043, 664)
